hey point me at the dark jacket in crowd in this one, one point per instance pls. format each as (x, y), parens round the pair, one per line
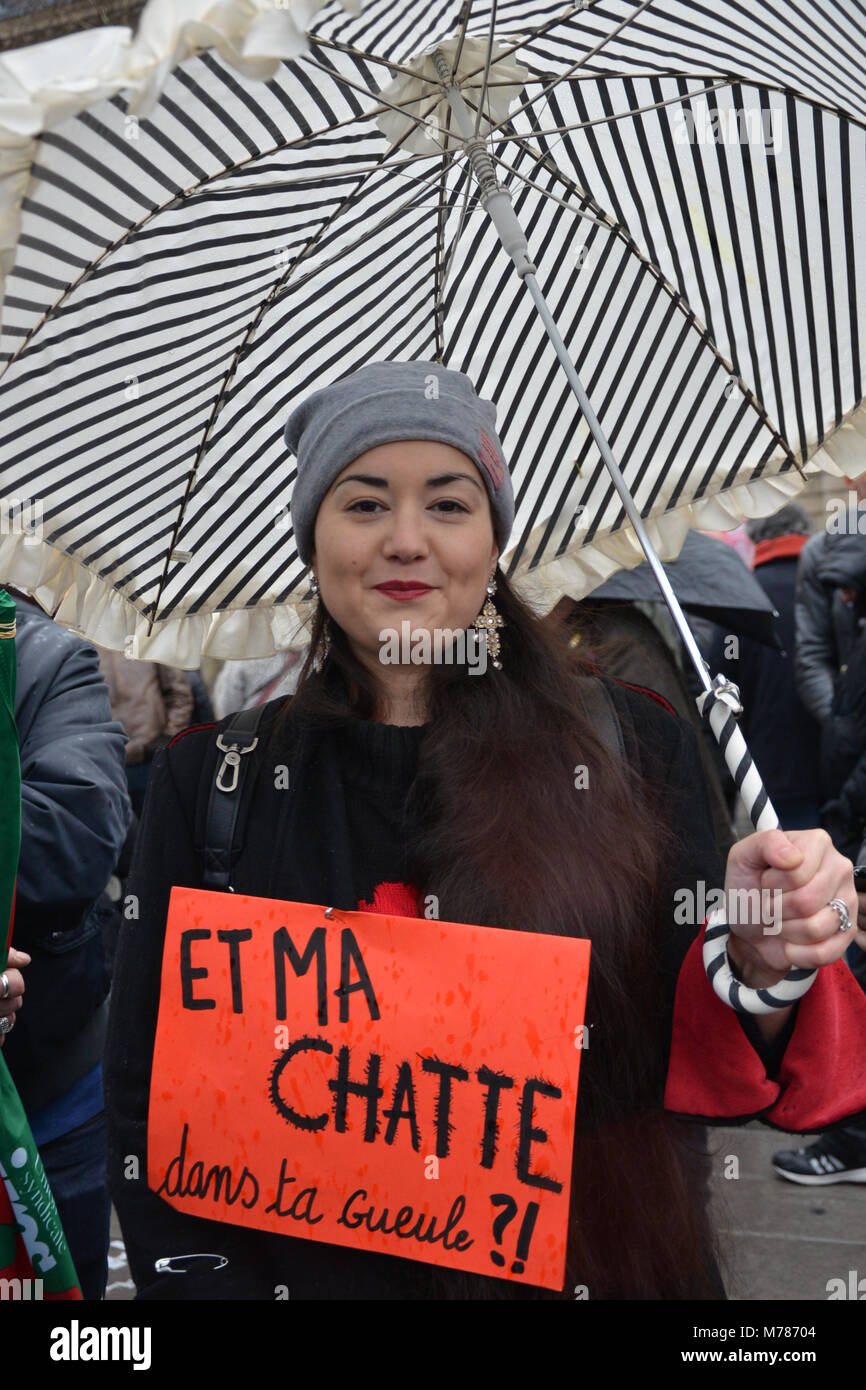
(202, 705)
(74, 815)
(825, 623)
(782, 735)
(843, 737)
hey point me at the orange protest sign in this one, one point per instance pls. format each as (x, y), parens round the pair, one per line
(390, 1083)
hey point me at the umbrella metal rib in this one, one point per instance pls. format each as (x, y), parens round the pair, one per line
(543, 159)
(720, 700)
(276, 292)
(569, 72)
(485, 79)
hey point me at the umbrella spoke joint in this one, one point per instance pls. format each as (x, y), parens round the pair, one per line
(495, 199)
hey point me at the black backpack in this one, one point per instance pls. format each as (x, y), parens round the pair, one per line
(240, 738)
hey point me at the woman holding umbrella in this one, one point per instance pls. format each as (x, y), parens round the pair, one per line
(409, 780)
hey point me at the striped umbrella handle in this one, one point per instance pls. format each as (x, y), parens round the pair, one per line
(719, 706)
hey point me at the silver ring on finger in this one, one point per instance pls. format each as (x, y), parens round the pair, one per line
(844, 915)
(6, 1024)
(5, 978)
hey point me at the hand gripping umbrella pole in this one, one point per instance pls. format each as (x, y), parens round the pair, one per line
(719, 703)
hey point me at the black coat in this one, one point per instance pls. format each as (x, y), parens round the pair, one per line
(782, 735)
(843, 750)
(825, 623)
(843, 734)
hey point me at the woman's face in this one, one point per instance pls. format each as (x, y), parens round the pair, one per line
(404, 533)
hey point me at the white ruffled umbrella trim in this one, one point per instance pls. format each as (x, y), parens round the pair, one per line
(89, 605)
(583, 570)
(46, 83)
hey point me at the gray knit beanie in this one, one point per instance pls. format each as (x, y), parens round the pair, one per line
(380, 404)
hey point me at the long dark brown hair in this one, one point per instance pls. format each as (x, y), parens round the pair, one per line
(523, 819)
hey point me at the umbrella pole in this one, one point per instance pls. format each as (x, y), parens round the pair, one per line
(720, 702)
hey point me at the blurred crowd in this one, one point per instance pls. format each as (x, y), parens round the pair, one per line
(91, 722)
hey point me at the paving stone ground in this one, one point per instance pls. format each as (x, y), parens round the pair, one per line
(782, 1241)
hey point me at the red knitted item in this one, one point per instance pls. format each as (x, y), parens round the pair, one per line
(396, 898)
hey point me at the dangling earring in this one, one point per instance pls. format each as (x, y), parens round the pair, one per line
(324, 644)
(488, 621)
(313, 591)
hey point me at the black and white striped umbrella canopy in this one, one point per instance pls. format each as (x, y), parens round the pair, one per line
(692, 182)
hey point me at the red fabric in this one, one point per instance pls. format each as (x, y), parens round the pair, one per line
(396, 898)
(21, 1267)
(780, 548)
(193, 729)
(715, 1072)
(653, 694)
(823, 1071)
(713, 1068)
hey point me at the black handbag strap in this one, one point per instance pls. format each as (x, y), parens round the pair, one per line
(237, 740)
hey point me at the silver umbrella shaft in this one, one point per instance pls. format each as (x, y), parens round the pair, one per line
(619, 483)
(719, 702)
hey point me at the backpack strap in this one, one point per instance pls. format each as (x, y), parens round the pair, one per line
(602, 711)
(240, 737)
(236, 740)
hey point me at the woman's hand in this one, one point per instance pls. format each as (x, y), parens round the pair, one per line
(787, 922)
(10, 1005)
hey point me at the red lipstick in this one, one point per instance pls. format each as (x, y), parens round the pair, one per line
(403, 589)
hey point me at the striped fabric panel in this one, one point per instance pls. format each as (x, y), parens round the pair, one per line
(183, 280)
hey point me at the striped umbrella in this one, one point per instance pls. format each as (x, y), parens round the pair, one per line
(34, 1257)
(691, 184)
(674, 337)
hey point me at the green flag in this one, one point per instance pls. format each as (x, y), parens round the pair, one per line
(10, 771)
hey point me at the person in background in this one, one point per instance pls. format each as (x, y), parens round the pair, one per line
(245, 684)
(153, 703)
(831, 669)
(843, 734)
(202, 705)
(782, 735)
(738, 539)
(74, 817)
(824, 622)
(624, 642)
